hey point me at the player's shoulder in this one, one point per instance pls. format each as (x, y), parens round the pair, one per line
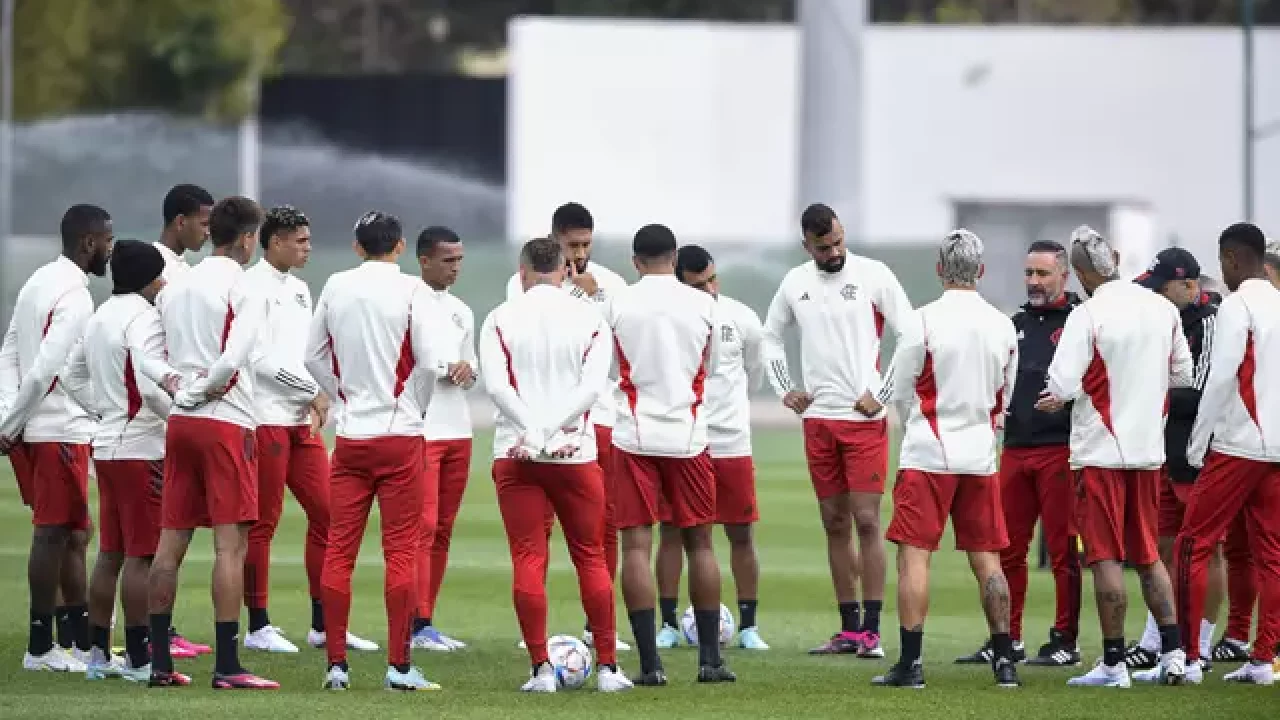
(870, 268)
(800, 275)
(605, 277)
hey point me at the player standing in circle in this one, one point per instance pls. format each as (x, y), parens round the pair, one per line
(738, 367)
(1273, 263)
(1122, 337)
(1035, 471)
(546, 358)
(448, 427)
(839, 303)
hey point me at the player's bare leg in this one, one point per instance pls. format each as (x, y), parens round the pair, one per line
(230, 543)
(913, 607)
(44, 575)
(102, 600)
(745, 565)
(1146, 652)
(866, 524)
(638, 595)
(994, 593)
(704, 595)
(133, 601)
(162, 590)
(1157, 591)
(842, 557)
(668, 569)
(74, 587)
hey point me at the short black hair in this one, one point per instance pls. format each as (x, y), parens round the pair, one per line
(1047, 246)
(542, 255)
(653, 241)
(281, 219)
(817, 220)
(692, 259)
(185, 200)
(80, 221)
(571, 216)
(233, 217)
(378, 232)
(1245, 236)
(435, 235)
(1272, 258)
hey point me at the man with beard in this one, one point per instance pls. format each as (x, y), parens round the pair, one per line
(839, 303)
(1035, 475)
(47, 434)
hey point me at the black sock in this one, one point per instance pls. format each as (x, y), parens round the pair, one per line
(420, 623)
(66, 637)
(258, 619)
(317, 616)
(79, 618)
(708, 623)
(40, 639)
(101, 638)
(1170, 638)
(871, 619)
(227, 656)
(912, 642)
(669, 606)
(1001, 647)
(1112, 651)
(401, 668)
(646, 634)
(747, 613)
(135, 646)
(849, 621)
(161, 660)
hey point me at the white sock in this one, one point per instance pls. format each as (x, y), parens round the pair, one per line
(1151, 635)
(1206, 638)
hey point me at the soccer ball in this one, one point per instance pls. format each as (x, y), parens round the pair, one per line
(571, 660)
(690, 626)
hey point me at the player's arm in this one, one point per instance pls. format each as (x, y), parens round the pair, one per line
(1010, 378)
(10, 367)
(753, 361)
(246, 327)
(1181, 366)
(591, 381)
(469, 349)
(497, 372)
(1183, 401)
(319, 354)
(894, 306)
(146, 339)
(66, 327)
(711, 355)
(424, 336)
(908, 359)
(76, 380)
(297, 386)
(774, 348)
(1070, 359)
(1229, 343)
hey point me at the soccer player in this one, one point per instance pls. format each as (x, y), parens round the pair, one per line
(1126, 337)
(47, 434)
(666, 340)
(290, 407)
(1035, 474)
(737, 368)
(545, 357)
(954, 370)
(1273, 263)
(1238, 420)
(370, 346)
(1175, 274)
(448, 428)
(128, 451)
(572, 226)
(211, 328)
(839, 304)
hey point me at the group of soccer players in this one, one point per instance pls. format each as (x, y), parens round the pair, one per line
(198, 393)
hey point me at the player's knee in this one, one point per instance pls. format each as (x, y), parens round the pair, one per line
(739, 536)
(698, 537)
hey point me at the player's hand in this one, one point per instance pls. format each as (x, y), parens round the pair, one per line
(868, 405)
(6, 444)
(998, 421)
(585, 281)
(797, 401)
(319, 412)
(1049, 403)
(171, 384)
(521, 453)
(461, 373)
(564, 452)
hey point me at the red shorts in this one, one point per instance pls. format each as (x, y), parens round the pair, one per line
(129, 494)
(735, 491)
(846, 456)
(53, 479)
(210, 474)
(645, 483)
(922, 501)
(1173, 505)
(1118, 514)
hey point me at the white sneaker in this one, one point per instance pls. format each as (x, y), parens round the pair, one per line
(269, 639)
(541, 681)
(589, 639)
(610, 681)
(101, 667)
(410, 681)
(354, 642)
(1172, 669)
(1255, 673)
(1103, 676)
(56, 660)
(520, 644)
(336, 679)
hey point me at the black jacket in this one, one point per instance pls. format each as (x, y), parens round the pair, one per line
(1038, 331)
(1198, 324)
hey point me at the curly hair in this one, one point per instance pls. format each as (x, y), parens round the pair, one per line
(282, 219)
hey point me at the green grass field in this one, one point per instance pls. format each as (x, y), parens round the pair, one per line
(796, 611)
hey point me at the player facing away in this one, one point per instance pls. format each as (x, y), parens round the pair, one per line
(545, 357)
(290, 409)
(47, 434)
(1035, 472)
(737, 368)
(212, 321)
(1119, 354)
(666, 342)
(839, 304)
(1272, 266)
(128, 451)
(1238, 425)
(448, 428)
(370, 346)
(1175, 274)
(572, 226)
(954, 371)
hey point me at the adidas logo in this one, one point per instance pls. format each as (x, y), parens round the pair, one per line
(804, 296)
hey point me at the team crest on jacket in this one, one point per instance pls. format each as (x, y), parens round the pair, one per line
(302, 299)
(457, 320)
(726, 333)
(849, 291)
